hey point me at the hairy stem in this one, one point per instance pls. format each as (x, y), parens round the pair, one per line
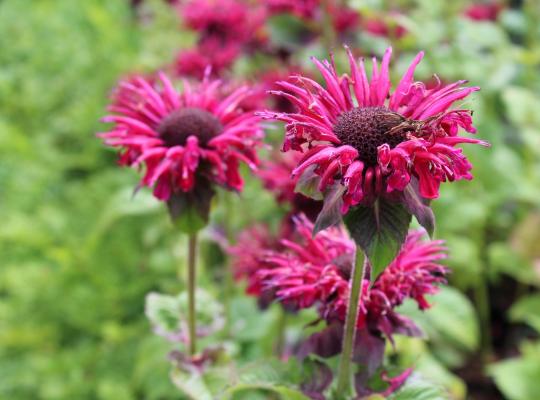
(359, 273)
(192, 259)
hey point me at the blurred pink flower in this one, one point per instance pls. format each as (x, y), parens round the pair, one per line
(209, 52)
(247, 255)
(315, 271)
(300, 8)
(182, 137)
(486, 11)
(384, 26)
(227, 20)
(374, 144)
(276, 177)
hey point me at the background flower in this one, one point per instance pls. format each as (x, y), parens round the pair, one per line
(198, 135)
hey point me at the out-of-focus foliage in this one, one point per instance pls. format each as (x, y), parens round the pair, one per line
(79, 254)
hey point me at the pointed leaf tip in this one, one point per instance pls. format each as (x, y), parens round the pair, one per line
(379, 230)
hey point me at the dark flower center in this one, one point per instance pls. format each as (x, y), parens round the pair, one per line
(366, 128)
(176, 127)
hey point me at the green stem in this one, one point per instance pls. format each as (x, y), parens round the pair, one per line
(481, 295)
(192, 259)
(281, 328)
(359, 273)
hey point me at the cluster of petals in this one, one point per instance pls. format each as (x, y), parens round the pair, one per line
(267, 81)
(314, 271)
(428, 154)
(300, 8)
(488, 11)
(247, 255)
(236, 20)
(209, 52)
(140, 105)
(275, 175)
(343, 18)
(386, 26)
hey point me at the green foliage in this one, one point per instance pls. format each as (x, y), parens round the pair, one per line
(518, 378)
(379, 230)
(418, 389)
(79, 252)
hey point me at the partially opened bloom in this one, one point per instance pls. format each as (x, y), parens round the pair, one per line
(315, 271)
(374, 141)
(198, 135)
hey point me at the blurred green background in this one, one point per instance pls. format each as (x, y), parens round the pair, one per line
(78, 254)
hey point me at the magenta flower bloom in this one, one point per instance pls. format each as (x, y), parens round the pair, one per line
(248, 256)
(300, 8)
(315, 271)
(488, 11)
(358, 133)
(199, 135)
(228, 20)
(275, 175)
(209, 52)
(379, 26)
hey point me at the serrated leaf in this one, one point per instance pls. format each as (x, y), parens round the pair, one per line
(268, 376)
(284, 392)
(330, 214)
(191, 384)
(379, 230)
(416, 388)
(419, 207)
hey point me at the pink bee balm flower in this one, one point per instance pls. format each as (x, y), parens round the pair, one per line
(316, 271)
(182, 137)
(300, 8)
(488, 11)
(235, 20)
(379, 26)
(247, 255)
(275, 175)
(209, 52)
(373, 141)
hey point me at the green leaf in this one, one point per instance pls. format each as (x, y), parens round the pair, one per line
(527, 310)
(284, 392)
(451, 320)
(191, 384)
(416, 388)
(330, 214)
(518, 378)
(379, 230)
